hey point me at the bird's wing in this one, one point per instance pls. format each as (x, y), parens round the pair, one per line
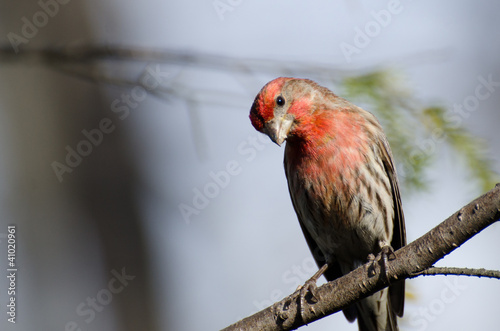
(396, 290)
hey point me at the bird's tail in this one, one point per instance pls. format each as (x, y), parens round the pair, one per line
(375, 313)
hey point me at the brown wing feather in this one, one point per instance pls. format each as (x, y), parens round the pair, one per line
(397, 290)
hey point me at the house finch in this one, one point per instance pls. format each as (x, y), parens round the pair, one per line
(343, 185)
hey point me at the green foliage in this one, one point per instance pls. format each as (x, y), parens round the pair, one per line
(472, 149)
(415, 132)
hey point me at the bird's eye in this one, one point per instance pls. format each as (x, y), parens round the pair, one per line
(280, 101)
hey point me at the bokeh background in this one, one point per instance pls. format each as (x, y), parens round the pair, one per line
(107, 247)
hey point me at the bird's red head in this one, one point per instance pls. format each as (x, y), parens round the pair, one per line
(279, 105)
(292, 107)
(266, 103)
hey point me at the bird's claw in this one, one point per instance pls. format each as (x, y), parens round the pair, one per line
(308, 292)
(309, 287)
(388, 253)
(282, 312)
(379, 262)
(373, 266)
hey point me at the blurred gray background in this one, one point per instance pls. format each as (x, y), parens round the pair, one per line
(107, 247)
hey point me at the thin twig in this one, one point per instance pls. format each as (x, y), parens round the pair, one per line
(435, 271)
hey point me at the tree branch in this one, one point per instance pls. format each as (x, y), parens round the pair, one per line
(410, 261)
(435, 271)
(89, 54)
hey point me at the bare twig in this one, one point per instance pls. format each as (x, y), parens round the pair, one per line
(410, 260)
(87, 54)
(76, 59)
(435, 271)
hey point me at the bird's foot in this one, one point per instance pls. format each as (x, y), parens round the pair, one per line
(282, 312)
(379, 262)
(308, 292)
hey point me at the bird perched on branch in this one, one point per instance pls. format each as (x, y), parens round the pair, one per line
(343, 184)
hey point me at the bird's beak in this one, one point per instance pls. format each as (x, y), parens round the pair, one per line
(279, 127)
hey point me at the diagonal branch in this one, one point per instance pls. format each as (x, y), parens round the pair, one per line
(410, 260)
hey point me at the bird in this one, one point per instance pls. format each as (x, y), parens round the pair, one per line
(343, 185)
